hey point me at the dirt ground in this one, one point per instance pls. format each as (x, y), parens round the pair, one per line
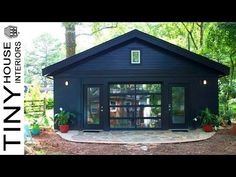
(49, 143)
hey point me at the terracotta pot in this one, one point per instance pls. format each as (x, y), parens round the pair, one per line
(64, 128)
(207, 128)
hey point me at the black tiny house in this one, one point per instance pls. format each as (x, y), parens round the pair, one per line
(135, 81)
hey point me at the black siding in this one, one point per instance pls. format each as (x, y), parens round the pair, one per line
(152, 59)
(157, 65)
(69, 98)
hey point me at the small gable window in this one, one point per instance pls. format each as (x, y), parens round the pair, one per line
(135, 57)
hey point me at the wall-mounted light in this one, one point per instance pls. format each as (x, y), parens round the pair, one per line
(204, 82)
(66, 83)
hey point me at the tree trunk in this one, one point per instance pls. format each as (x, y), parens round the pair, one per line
(201, 33)
(70, 40)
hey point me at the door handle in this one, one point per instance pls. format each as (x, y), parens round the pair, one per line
(169, 107)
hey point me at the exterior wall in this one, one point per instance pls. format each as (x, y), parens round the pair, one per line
(153, 59)
(156, 65)
(199, 95)
(68, 97)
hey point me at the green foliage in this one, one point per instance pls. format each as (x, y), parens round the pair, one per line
(39, 120)
(49, 103)
(35, 125)
(221, 44)
(45, 51)
(47, 121)
(33, 92)
(40, 152)
(63, 117)
(69, 24)
(209, 118)
(229, 115)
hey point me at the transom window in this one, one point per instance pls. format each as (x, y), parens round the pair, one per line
(135, 106)
(135, 57)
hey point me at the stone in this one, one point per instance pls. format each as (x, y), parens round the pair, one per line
(144, 148)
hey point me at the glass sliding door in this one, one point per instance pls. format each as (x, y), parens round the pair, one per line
(135, 106)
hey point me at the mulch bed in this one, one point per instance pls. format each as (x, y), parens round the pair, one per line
(48, 142)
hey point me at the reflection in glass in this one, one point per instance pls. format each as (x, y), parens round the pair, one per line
(122, 123)
(121, 100)
(122, 112)
(122, 88)
(148, 88)
(131, 102)
(147, 111)
(148, 123)
(93, 105)
(178, 106)
(148, 99)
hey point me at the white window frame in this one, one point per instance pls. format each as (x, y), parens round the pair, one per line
(134, 62)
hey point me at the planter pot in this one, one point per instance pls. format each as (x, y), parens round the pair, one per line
(64, 128)
(35, 131)
(207, 128)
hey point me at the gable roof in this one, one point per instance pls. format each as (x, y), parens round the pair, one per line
(135, 34)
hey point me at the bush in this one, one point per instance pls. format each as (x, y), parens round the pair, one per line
(49, 103)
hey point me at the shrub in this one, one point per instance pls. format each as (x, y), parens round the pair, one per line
(49, 103)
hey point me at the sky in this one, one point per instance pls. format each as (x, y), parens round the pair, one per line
(31, 30)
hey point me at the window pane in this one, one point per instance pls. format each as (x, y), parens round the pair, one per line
(122, 123)
(122, 112)
(148, 99)
(148, 111)
(178, 110)
(122, 88)
(148, 88)
(135, 56)
(148, 123)
(93, 105)
(122, 100)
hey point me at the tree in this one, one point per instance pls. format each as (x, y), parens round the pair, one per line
(70, 38)
(46, 51)
(70, 34)
(221, 44)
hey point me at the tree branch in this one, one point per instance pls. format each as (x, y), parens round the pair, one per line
(190, 33)
(100, 29)
(177, 26)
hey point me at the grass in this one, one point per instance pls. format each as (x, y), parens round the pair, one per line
(40, 152)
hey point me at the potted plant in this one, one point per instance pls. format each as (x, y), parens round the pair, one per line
(62, 120)
(35, 130)
(209, 120)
